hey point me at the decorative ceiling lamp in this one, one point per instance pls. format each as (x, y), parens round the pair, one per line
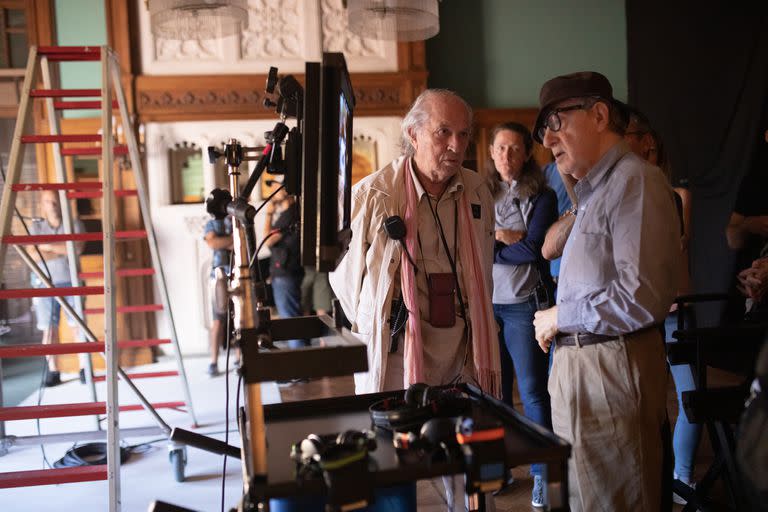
(401, 20)
(197, 19)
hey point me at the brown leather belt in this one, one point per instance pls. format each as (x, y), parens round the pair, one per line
(583, 338)
(564, 339)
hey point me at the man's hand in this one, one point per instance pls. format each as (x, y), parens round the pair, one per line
(509, 236)
(545, 323)
(753, 281)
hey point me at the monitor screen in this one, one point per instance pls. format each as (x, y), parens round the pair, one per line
(329, 105)
(345, 155)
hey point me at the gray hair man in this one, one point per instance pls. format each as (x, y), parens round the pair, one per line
(441, 285)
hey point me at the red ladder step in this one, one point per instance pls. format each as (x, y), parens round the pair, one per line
(127, 309)
(80, 188)
(63, 291)
(94, 236)
(119, 150)
(123, 272)
(77, 185)
(77, 105)
(31, 412)
(141, 375)
(65, 93)
(53, 476)
(59, 50)
(43, 139)
(70, 53)
(38, 349)
(91, 195)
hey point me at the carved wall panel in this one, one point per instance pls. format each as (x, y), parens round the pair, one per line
(165, 98)
(281, 33)
(361, 54)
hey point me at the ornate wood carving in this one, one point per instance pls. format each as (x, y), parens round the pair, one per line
(177, 98)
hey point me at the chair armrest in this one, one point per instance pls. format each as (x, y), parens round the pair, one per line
(715, 404)
(713, 335)
(701, 297)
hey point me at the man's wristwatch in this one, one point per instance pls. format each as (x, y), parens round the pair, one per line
(573, 210)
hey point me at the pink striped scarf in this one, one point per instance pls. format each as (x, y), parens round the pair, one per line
(485, 349)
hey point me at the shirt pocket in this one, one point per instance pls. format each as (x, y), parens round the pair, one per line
(592, 250)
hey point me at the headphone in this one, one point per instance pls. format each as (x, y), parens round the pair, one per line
(316, 451)
(434, 433)
(419, 404)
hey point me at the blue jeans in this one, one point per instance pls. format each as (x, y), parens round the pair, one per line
(287, 293)
(521, 355)
(48, 309)
(685, 439)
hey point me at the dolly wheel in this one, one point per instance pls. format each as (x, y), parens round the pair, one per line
(178, 458)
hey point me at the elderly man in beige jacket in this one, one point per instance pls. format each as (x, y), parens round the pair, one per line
(444, 277)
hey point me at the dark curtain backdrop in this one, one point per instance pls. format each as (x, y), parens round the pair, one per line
(699, 70)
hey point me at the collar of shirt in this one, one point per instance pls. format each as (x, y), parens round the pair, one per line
(598, 173)
(455, 185)
(507, 187)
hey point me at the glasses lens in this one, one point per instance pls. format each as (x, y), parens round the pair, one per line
(553, 121)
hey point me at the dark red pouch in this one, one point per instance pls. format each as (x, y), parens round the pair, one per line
(442, 302)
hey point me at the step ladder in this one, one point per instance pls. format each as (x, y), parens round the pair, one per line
(55, 101)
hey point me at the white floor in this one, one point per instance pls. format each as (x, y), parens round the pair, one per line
(145, 477)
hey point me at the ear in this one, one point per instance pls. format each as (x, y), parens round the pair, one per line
(412, 137)
(649, 148)
(602, 115)
(490, 149)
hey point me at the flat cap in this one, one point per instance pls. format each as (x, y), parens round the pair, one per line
(574, 85)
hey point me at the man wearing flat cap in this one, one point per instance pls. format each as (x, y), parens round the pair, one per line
(617, 282)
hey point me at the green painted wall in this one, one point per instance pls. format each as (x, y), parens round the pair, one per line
(497, 53)
(80, 23)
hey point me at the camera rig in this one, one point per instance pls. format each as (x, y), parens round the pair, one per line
(248, 294)
(339, 353)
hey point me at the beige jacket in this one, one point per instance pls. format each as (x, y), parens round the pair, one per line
(363, 281)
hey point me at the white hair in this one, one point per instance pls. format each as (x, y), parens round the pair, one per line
(419, 113)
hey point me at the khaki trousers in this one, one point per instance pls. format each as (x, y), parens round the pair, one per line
(608, 401)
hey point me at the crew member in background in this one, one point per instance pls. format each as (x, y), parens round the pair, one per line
(54, 259)
(218, 236)
(285, 270)
(525, 208)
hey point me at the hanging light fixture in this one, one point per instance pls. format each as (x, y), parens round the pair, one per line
(401, 20)
(197, 19)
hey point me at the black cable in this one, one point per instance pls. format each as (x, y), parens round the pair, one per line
(258, 248)
(254, 257)
(226, 388)
(90, 454)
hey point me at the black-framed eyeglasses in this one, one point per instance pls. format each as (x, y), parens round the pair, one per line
(553, 121)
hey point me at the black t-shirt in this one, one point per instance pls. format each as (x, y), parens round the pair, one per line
(285, 256)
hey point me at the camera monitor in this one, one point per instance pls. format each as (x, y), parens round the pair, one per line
(326, 163)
